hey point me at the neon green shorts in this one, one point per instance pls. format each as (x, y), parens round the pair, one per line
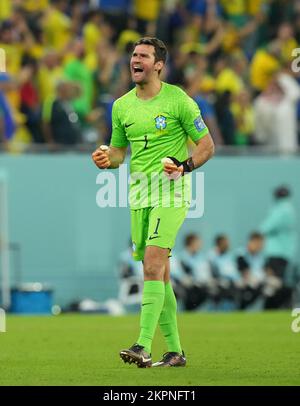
(156, 226)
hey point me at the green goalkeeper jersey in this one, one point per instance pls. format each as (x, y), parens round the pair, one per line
(156, 128)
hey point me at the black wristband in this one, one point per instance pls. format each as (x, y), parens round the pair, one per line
(188, 164)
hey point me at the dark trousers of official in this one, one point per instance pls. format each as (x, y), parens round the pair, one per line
(282, 297)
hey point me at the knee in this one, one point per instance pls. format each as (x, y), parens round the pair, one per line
(153, 270)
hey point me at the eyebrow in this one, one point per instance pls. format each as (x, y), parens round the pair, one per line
(141, 54)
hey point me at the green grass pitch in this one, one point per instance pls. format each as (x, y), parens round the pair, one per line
(221, 349)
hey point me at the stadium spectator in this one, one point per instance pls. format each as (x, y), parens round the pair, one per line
(231, 73)
(200, 89)
(243, 114)
(279, 12)
(176, 64)
(128, 36)
(115, 12)
(193, 279)
(202, 11)
(225, 117)
(279, 229)
(264, 64)
(30, 100)
(286, 41)
(108, 72)
(92, 33)
(5, 10)
(250, 263)
(111, 80)
(243, 18)
(276, 114)
(13, 50)
(8, 125)
(57, 25)
(147, 16)
(61, 122)
(49, 73)
(77, 71)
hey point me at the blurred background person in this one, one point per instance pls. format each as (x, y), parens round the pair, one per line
(60, 120)
(57, 25)
(225, 117)
(50, 71)
(76, 70)
(30, 100)
(8, 125)
(130, 275)
(193, 279)
(275, 112)
(279, 230)
(127, 266)
(200, 88)
(224, 270)
(251, 265)
(243, 114)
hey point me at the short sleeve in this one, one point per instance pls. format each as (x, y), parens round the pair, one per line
(118, 137)
(191, 119)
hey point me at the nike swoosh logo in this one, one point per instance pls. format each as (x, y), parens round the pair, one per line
(146, 359)
(128, 125)
(152, 238)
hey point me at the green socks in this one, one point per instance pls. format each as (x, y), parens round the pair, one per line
(152, 304)
(168, 320)
(159, 306)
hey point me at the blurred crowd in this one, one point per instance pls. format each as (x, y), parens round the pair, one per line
(263, 273)
(64, 62)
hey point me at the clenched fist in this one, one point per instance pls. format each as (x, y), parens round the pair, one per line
(101, 157)
(172, 168)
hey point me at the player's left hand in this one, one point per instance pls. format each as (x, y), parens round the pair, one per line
(172, 168)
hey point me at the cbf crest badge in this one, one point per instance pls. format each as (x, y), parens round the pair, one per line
(160, 122)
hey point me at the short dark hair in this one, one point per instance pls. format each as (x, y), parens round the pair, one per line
(219, 238)
(282, 192)
(255, 235)
(190, 238)
(160, 50)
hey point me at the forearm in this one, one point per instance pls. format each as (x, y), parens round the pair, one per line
(116, 157)
(204, 151)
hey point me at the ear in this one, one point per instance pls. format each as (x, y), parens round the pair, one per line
(159, 65)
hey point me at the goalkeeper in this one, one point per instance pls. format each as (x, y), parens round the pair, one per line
(155, 119)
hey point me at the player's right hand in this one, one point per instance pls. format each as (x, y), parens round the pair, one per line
(101, 157)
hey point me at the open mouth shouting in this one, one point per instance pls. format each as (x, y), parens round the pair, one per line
(137, 72)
